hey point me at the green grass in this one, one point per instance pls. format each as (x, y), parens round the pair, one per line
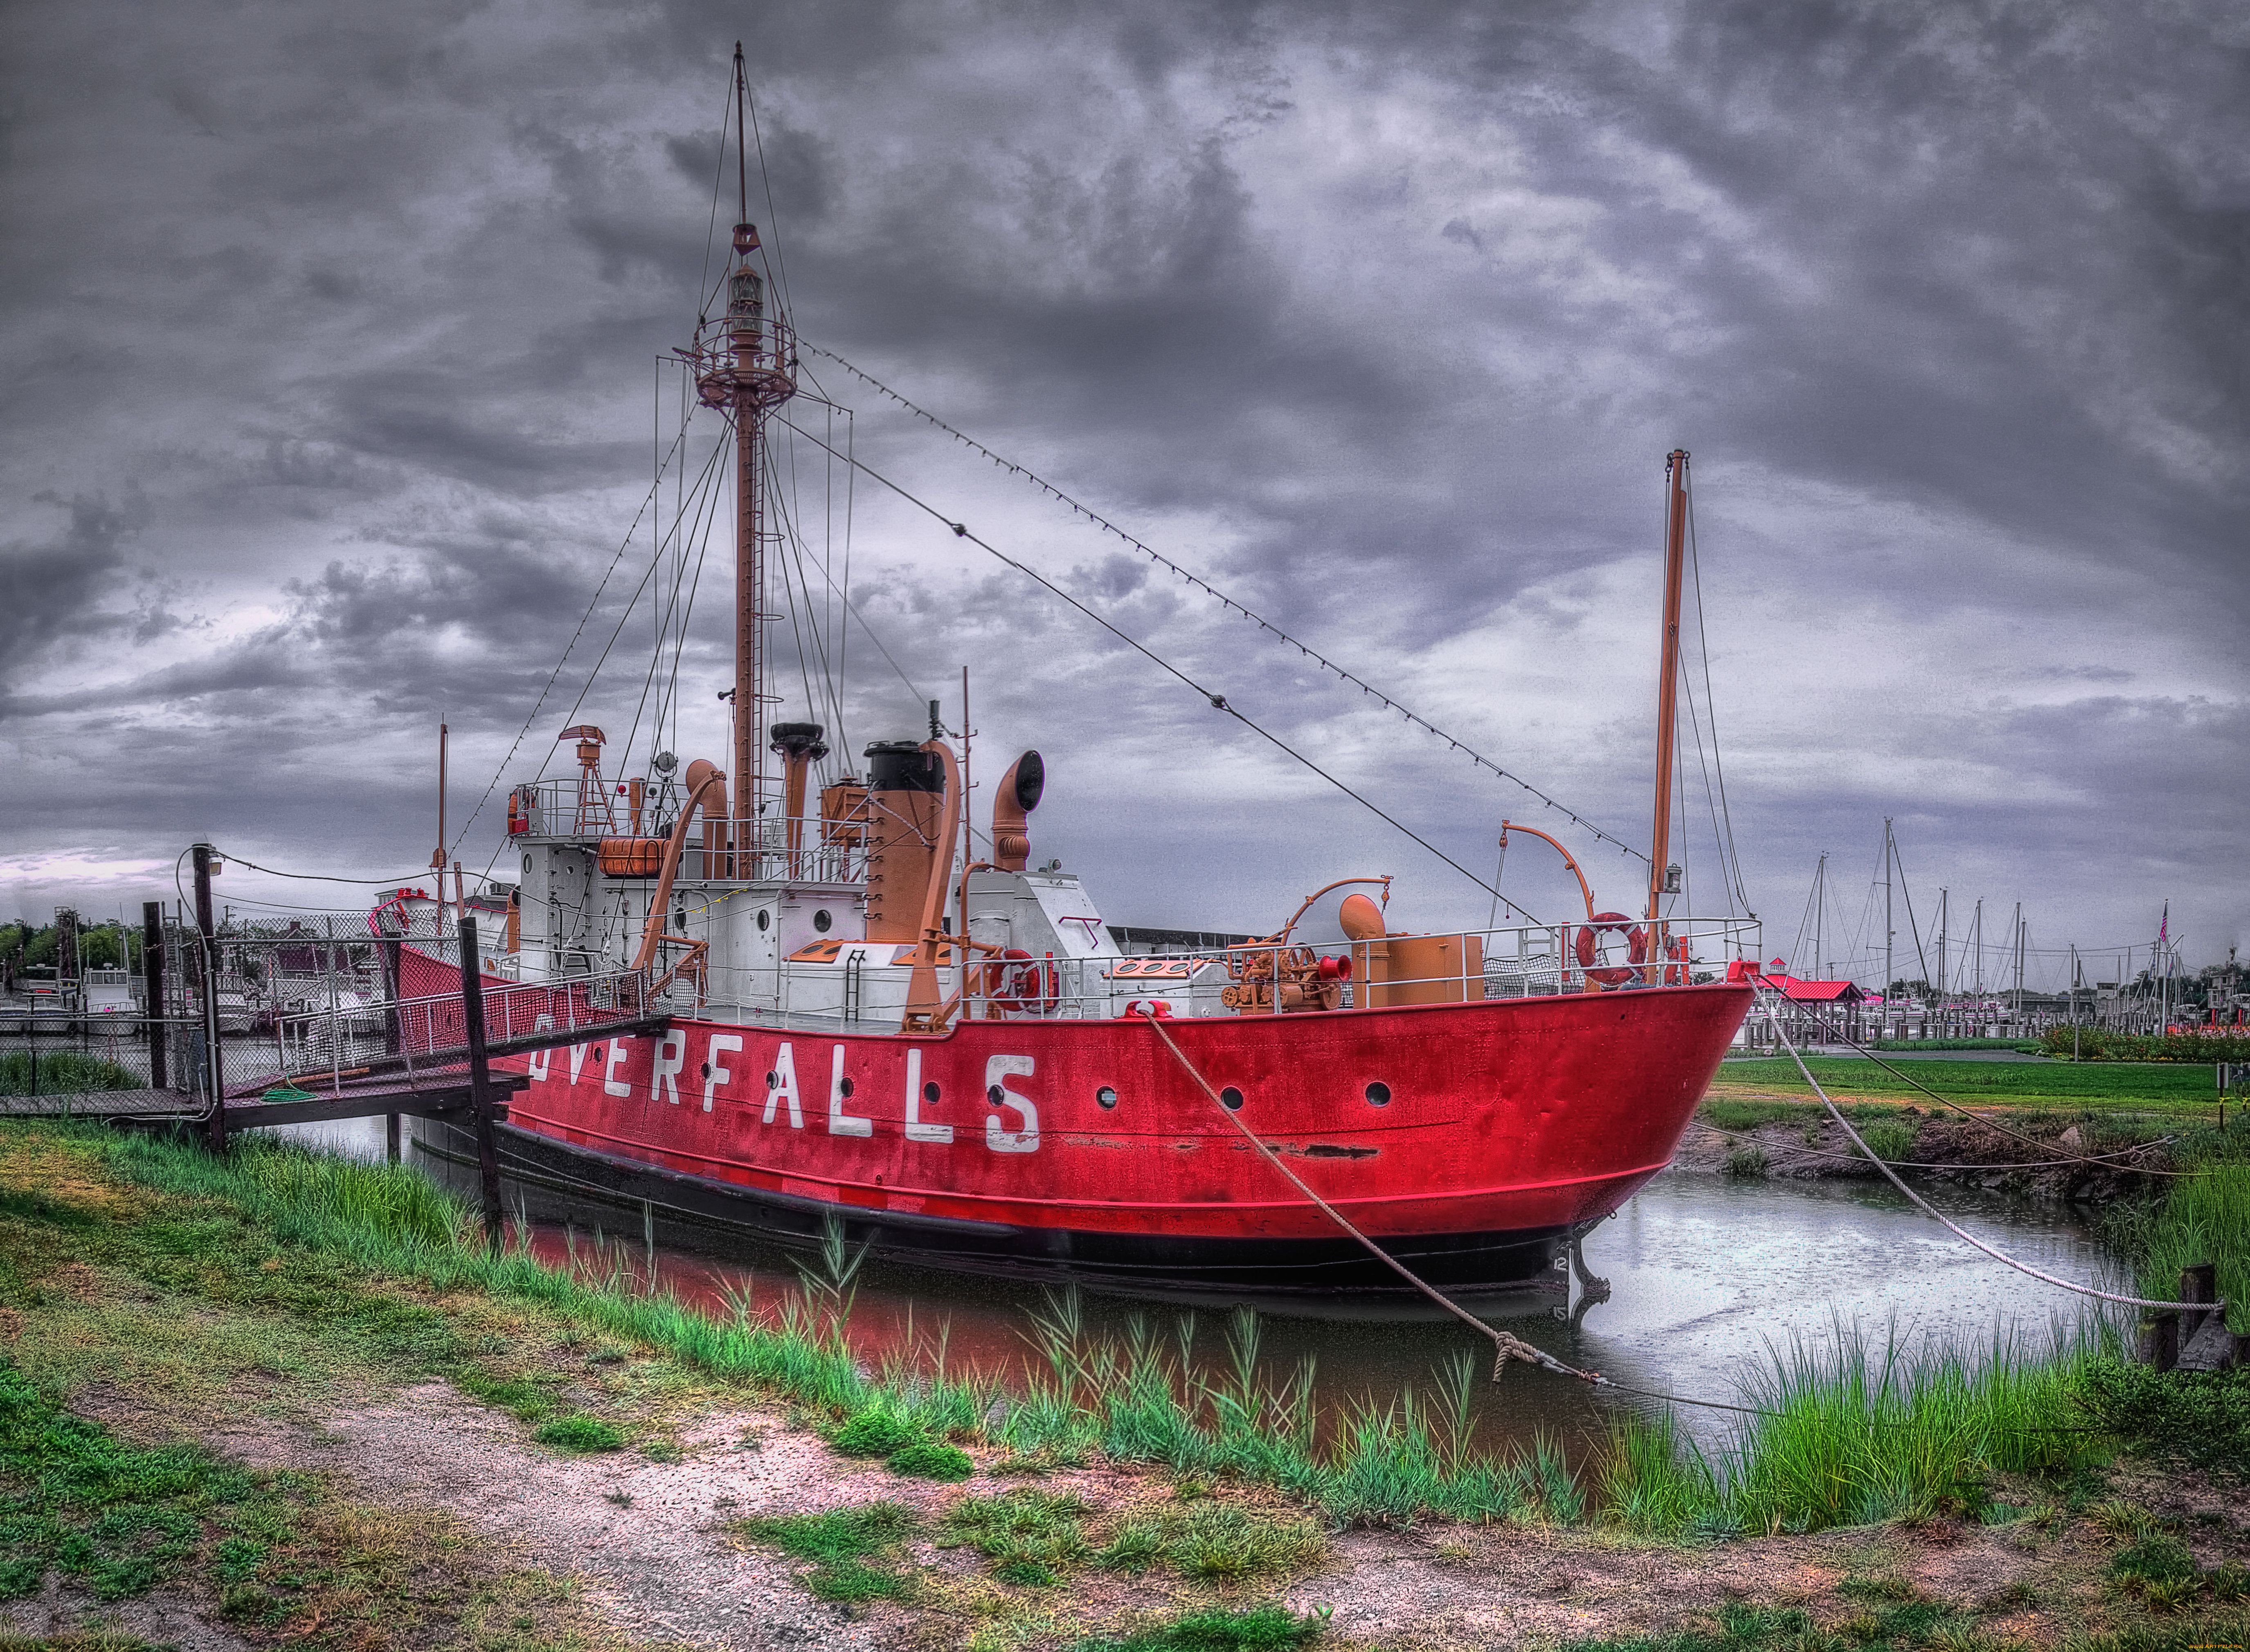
(2205, 1219)
(119, 1519)
(1859, 1432)
(930, 1460)
(1890, 1141)
(1265, 1628)
(1864, 1433)
(843, 1544)
(580, 1433)
(1971, 1081)
(61, 1070)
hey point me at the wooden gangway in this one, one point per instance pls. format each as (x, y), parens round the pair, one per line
(439, 1095)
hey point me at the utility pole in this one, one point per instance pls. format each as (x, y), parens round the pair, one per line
(1941, 981)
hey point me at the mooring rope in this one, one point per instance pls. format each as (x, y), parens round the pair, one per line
(1505, 1345)
(1825, 1026)
(1959, 1232)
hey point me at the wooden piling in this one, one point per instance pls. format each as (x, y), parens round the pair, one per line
(2197, 1284)
(472, 1014)
(151, 987)
(2160, 1341)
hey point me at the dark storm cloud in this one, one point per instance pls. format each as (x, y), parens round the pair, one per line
(1385, 314)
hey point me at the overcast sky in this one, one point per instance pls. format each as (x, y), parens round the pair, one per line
(330, 336)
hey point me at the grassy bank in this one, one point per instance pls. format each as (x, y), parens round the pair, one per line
(1904, 1430)
(2102, 1087)
(134, 1266)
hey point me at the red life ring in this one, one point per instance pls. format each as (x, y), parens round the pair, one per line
(1026, 983)
(1588, 948)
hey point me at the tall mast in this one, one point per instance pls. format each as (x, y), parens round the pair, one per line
(1667, 681)
(1890, 932)
(746, 366)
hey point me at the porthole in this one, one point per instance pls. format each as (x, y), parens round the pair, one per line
(929, 1091)
(1106, 1096)
(706, 1069)
(772, 1080)
(996, 1095)
(527, 865)
(844, 1087)
(765, 920)
(1232, 1098)
(1378, 1094)
(822, 921)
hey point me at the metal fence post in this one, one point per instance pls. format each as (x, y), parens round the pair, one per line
(473, 1014)
(214, 1078)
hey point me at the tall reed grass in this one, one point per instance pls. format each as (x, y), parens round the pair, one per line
(2205, 1219)
(1859, 1433)
(1853, 1431)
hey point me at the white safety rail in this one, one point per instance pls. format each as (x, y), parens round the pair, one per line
(725, 852)
(866, 987)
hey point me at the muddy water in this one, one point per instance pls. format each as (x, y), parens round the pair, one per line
(1704, 1275)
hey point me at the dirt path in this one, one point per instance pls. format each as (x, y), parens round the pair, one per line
(650, 1539)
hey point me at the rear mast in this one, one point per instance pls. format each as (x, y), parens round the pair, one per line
(746, 366)
(1667, 681)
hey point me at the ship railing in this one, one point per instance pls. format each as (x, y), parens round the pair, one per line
(817, 850)
(1522, 961)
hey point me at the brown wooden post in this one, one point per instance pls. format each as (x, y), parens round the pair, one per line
(2198, 1283)
(2159, 1344)
(480, 1105)
(152, 986)
(214, 1075)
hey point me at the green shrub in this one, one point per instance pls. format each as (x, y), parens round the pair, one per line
(875, 1433)
(2203, 1416)
(580, 1433)
(931, 1460)
(1746, 1161)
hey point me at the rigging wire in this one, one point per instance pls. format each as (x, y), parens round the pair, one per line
(1734, 859)
(1958, 1231)
(553, 677)
(1218, 702)
(1226, 601)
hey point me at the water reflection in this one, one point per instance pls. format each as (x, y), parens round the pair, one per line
(1704, 1274)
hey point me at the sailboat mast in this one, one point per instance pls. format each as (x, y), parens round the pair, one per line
(745, 367)
(1667, 681)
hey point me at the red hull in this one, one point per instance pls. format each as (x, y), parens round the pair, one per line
(1533, 1116)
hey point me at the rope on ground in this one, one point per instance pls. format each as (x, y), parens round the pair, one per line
(1989, 1124)
(1959, 1232)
